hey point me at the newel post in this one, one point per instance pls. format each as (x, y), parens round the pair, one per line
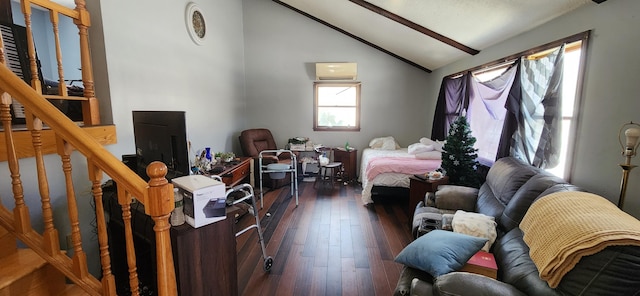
(159, 205)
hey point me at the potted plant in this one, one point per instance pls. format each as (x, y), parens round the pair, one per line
(227, 156)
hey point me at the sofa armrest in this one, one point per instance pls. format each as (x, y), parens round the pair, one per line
(455, 197)
(464, 283)
(430, 199)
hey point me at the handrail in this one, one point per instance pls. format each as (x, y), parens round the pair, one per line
(158, 208)
(55, 7)
(72, 133)
(156, 195)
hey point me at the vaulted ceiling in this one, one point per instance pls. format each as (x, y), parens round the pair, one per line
(430, 34)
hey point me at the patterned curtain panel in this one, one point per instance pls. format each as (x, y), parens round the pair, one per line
(537, 137)
(486, 113)
(451, 102)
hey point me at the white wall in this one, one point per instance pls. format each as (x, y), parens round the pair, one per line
(281, 49)
(152, 64)
(610, 94)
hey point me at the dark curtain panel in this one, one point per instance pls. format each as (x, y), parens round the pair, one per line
(512, 118)
(538, 134)
(451, 102)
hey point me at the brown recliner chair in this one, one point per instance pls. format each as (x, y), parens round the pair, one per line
(252, 142)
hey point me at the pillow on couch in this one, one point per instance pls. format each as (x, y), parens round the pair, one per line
(439, 251)
(475, 224)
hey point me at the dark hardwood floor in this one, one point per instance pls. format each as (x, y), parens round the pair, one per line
(331, 244)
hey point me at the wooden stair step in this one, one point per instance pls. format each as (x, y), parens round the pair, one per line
(8, 244)
(72, 290)
(26, 273)
(17, 266)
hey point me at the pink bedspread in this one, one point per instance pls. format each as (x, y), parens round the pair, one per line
(403, 165)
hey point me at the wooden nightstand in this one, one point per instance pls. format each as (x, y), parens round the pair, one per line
(419, 187)
(348, 160)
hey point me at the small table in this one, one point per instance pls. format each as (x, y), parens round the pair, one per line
(419, 187)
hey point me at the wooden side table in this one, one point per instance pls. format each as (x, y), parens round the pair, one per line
(348, 160)
(235, 172)
(419, 187)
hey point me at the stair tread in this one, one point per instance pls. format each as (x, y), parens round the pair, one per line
(72, 290)
(15, 266)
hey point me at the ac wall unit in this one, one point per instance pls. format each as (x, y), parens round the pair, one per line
(336, 71)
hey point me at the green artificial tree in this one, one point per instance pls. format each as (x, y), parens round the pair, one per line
(459, 158)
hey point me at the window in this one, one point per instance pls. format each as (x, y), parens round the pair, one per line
(535, 127)
(336, 106)
(572, 59)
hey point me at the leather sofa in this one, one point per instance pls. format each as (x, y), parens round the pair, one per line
(510, 188)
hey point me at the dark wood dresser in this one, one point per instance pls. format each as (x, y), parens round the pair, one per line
(348, 160)
(204, 258)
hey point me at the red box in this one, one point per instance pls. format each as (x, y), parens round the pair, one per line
(482, 263)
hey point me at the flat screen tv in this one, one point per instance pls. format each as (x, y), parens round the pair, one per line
(161, 136)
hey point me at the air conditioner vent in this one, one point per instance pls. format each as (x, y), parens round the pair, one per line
(336, 71)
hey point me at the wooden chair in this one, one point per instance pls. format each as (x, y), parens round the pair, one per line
(327, 171)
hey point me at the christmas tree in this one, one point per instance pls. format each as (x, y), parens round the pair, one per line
(459, 157)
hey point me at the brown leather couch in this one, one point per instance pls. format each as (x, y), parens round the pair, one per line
(252, 142)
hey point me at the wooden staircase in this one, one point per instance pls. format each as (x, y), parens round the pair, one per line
(32, 262)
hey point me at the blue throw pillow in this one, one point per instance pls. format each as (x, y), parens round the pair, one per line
(439, 251)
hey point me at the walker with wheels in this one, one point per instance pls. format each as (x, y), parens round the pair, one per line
(248, 194)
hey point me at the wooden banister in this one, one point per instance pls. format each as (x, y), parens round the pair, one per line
(156, 195)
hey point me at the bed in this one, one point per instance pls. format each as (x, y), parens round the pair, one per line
(391, 166)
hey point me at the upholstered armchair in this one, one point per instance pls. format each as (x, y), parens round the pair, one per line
(252, 142)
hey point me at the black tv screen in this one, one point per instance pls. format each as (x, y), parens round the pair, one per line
(161, 136)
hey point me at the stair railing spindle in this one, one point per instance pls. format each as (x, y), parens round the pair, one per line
(51, 241)
(79, 257)
(124, 199)
(108, 280)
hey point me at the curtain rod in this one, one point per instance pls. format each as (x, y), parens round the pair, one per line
(509, 59)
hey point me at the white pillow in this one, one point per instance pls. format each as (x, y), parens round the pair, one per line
(384, 143)
(475, 224)
(437, 145)
(427, 141)
(417, 148)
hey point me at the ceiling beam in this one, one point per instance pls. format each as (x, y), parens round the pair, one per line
(353, 36)
(394, 17)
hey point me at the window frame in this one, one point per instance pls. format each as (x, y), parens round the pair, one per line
(574, 42)
(316, 106)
